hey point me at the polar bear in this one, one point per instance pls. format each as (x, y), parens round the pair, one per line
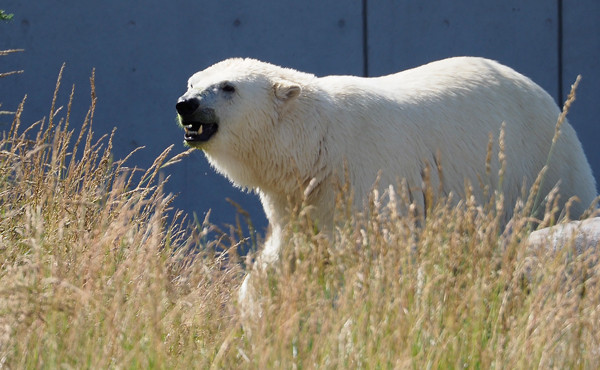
(289, 135)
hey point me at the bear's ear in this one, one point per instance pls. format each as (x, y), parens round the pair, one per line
(285, 90)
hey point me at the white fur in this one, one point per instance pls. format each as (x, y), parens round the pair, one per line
(286, 133)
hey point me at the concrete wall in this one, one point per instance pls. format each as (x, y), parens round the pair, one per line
(143, 53)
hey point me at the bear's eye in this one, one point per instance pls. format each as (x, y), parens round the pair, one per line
(227, 87)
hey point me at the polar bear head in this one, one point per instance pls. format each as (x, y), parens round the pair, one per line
(233, 112)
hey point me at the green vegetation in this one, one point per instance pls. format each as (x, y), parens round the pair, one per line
(94, 275)
(5, 16)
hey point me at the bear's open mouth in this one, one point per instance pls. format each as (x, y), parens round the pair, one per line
(198, 131)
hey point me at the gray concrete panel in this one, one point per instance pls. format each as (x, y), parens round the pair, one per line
(520, 34)
(581, 55)
(143, 53)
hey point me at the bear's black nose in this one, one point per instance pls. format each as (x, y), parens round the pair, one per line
(186, 106)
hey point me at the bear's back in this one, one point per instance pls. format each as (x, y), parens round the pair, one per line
(396, 125)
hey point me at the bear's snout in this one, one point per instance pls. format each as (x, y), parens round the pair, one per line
(199, 121)
(186, 106)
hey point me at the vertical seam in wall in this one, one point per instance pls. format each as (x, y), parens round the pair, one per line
(365, 39)
(560, 52)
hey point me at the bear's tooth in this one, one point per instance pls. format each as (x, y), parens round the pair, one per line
(200, 130)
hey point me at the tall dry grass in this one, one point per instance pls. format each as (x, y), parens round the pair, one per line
(453, 292)
(93, 274)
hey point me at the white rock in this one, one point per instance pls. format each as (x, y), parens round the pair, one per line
(585, 234)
